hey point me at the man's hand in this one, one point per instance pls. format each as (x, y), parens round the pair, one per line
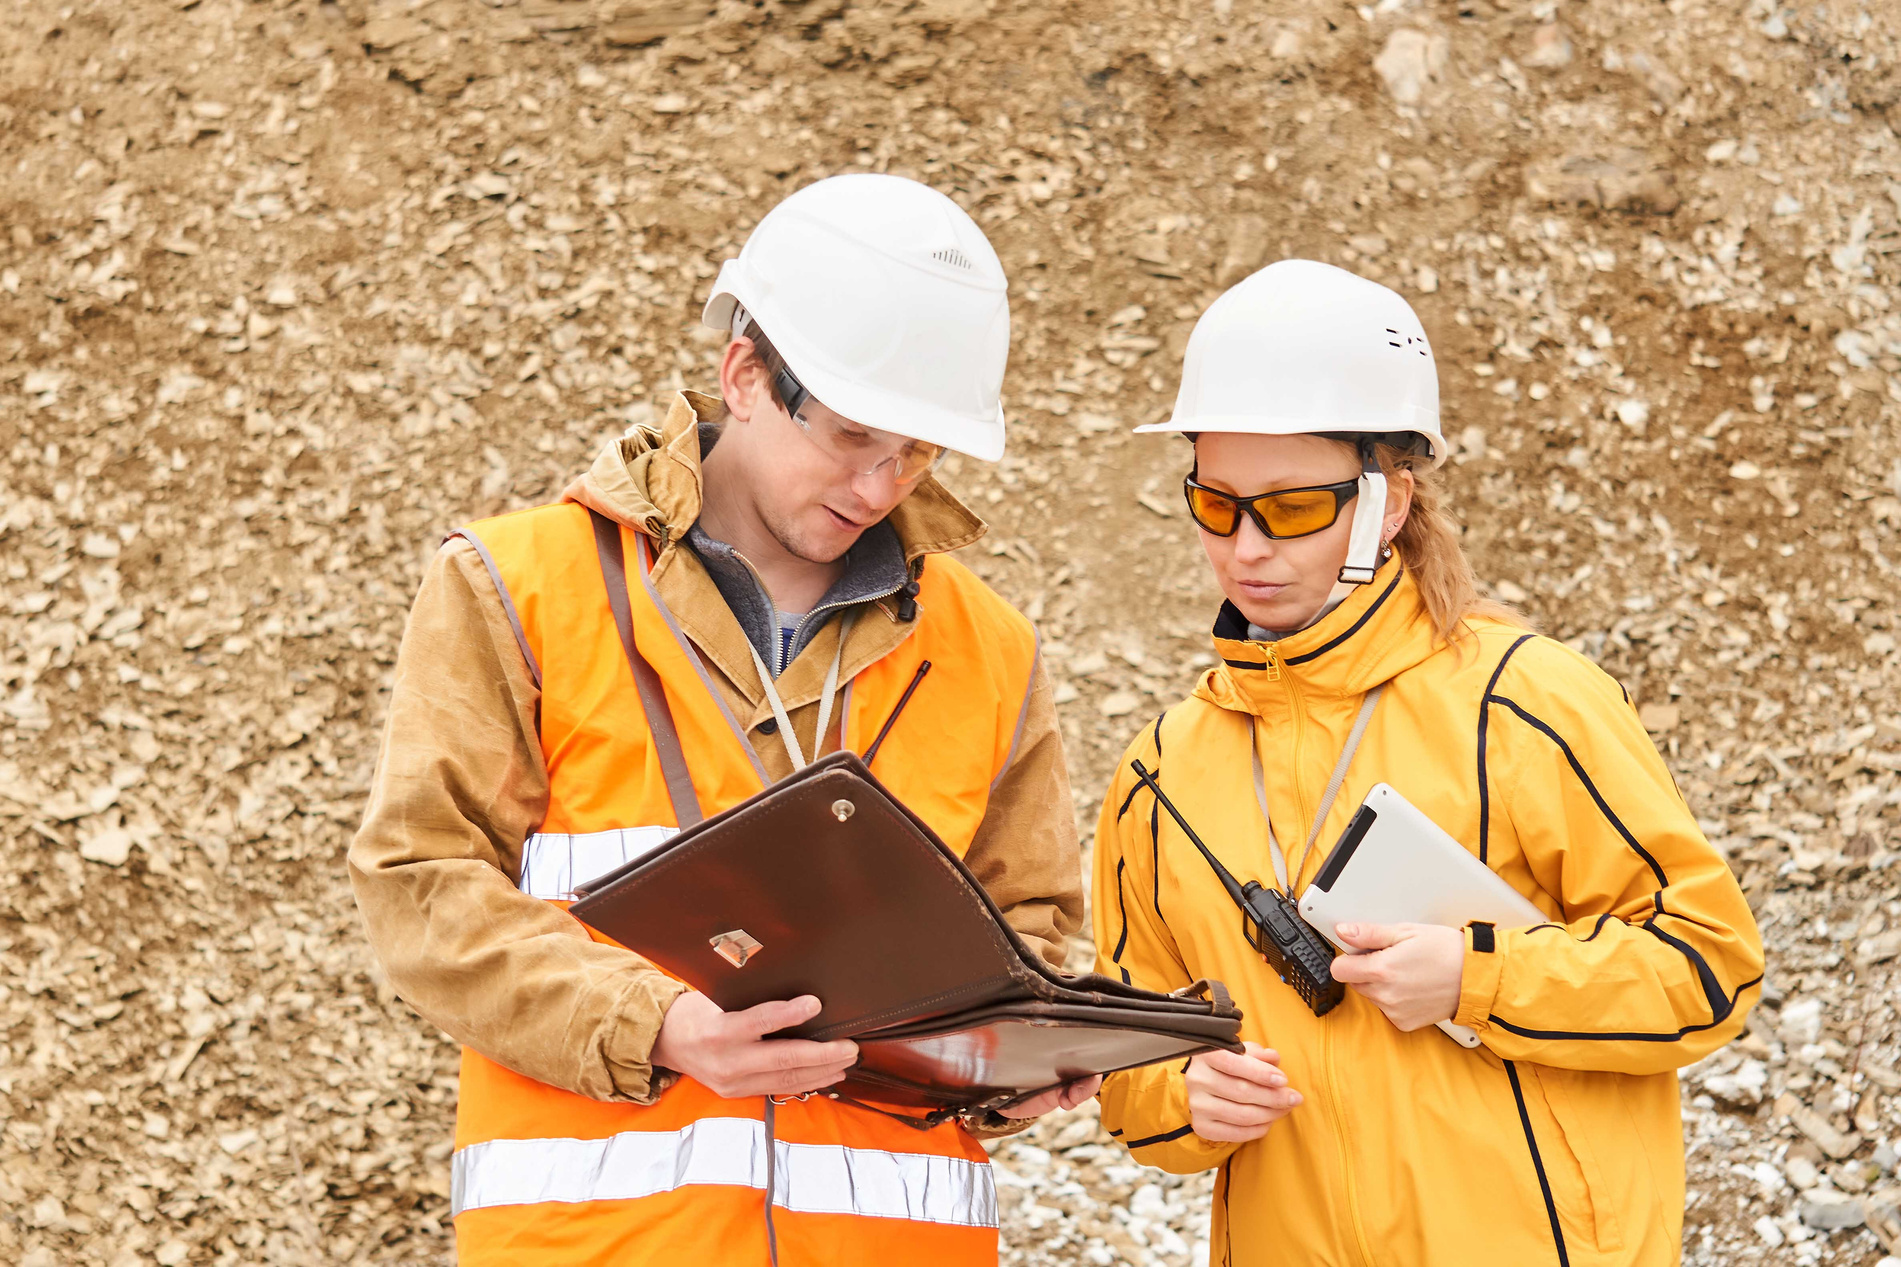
(1412, 972)
(1067, 1096)
(728, 1053)
(1236, 1096)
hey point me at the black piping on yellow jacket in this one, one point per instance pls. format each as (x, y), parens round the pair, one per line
(1559, 1141)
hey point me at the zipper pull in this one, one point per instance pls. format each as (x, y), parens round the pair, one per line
(1273, 665)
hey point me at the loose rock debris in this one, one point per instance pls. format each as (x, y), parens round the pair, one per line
(290, 288)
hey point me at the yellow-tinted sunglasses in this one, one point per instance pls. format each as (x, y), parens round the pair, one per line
(1291, 512)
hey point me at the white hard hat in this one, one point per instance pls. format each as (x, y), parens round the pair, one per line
(888, 304)
(1304, 348)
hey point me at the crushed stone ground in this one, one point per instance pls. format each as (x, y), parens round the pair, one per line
(289, 289)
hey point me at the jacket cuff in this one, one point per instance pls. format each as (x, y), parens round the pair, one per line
(1479, 979)
(633, 1027)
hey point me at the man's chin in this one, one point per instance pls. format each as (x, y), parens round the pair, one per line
(822, 542)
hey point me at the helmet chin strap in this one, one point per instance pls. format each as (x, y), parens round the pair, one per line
(1363, 546)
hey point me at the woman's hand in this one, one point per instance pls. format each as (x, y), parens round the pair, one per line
(1067, 1096)
(1235, 1096)
(1411, 971)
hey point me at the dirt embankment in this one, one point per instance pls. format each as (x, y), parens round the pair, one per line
(288, 289)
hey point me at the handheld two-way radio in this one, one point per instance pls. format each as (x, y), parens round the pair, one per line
(1270, 920)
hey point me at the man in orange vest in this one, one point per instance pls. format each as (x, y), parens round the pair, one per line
(780, 558)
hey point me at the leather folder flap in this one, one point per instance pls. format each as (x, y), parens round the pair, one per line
(1009, 1053)
(1100, 991)
(1214, 1031)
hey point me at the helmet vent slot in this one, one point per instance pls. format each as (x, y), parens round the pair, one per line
(1418, 344)
(954, 257)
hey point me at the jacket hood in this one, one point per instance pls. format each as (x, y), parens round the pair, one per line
(649, 479)
(1379, 632)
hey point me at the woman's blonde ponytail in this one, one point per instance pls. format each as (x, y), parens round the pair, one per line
(1429, 547)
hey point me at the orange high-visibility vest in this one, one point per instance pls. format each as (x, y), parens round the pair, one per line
(542, 1176)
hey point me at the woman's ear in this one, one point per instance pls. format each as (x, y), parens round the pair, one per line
(1399, 501)
(740, 372)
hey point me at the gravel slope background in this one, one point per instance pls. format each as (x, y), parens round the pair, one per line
(288, 289)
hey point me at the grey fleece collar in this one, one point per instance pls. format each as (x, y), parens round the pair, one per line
(874, 569)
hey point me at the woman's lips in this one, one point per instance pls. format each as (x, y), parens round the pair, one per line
(1261, 589)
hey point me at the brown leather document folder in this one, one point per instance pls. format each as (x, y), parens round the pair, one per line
(825, 884)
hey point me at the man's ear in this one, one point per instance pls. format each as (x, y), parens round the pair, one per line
(740, 375)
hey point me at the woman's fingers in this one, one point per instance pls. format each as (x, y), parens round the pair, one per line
(1220, 1133)
(1241, 1090)
(1257, 1065)
(1232, 1113)
(1076, 1092)
(1236, 1073)
(1035, 1106)
(1215, 1118)
(1245, 1095)
(1358, 969)
(1372, 936)
(1415, 980)
(1067, 1096)
(1236, 1096)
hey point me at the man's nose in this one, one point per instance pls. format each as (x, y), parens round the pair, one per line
(880, 490)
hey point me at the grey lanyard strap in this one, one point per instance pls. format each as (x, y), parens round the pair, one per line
(826, 694)
(1326, 801)
(653, 695)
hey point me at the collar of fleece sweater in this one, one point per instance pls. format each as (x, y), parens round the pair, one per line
(874, 569)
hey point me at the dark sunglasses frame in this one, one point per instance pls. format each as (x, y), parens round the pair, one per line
(1343, 492)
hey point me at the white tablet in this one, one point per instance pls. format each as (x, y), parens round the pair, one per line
(1394, 865)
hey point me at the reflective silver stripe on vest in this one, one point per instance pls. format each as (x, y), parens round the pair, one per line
(810, 1179)
(832, 1179)
(554, 864)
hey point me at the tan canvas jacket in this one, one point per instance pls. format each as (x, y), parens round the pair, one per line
(460, 785)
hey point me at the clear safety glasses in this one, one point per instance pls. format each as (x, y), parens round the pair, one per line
(861, 450)
(1291, 512)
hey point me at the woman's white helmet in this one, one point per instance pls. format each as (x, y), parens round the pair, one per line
(888, 304)
(1304, 348)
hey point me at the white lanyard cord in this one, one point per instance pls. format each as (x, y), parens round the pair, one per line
(1326, 802)
(791, 740)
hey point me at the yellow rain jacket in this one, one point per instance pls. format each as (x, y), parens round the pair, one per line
(1559, 1140)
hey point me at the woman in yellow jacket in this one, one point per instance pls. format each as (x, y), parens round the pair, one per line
(1366, 1136)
